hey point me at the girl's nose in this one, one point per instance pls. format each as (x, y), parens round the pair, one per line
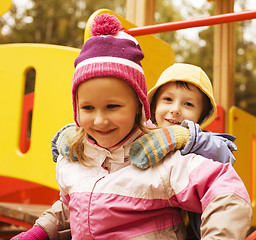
(100, 118)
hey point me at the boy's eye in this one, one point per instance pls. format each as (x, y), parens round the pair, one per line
(189, 104)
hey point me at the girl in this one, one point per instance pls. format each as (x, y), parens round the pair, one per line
(106, 197)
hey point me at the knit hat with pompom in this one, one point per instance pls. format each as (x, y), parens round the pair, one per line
(113, 53)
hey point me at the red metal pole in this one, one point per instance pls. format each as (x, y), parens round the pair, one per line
(197, 22)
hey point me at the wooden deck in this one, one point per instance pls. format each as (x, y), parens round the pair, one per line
(23, 215)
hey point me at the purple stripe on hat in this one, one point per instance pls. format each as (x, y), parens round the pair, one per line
(111, 46)
(110, 59)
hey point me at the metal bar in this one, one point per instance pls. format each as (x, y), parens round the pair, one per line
(197, 22)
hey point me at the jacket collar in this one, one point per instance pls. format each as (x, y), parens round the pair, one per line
(115, 157)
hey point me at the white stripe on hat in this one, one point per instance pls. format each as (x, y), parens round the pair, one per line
(110, 59)
(121, 35)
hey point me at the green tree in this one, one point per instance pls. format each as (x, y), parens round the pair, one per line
(187, 49)
(200, 52)
(167, 12)
(56, 22)
(245, 77)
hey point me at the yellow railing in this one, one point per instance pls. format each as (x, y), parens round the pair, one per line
(243, 126)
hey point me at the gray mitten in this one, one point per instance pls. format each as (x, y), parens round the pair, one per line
(59, 142)
(218, 147)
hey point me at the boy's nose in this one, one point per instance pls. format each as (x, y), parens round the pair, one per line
(175, 110)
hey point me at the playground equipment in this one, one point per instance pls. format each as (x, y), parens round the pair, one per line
(27, 173)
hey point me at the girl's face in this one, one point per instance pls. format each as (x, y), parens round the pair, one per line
(107, 109)
(177, 103)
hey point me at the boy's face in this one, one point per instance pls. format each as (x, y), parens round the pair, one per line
(176, 103)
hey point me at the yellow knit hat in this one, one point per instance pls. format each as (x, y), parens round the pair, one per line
(190, 74)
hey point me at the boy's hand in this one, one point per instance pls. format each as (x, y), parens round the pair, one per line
(196, 133)
(216, 146)
(152, 147)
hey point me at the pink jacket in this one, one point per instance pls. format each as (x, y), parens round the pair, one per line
(120, 201)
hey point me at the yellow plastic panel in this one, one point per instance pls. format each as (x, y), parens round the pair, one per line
(52, 107)
(243, 126)
(5, 5)
(158, 54)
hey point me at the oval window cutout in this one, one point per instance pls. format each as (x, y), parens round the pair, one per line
(27, 110)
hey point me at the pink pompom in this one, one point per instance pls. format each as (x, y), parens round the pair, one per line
(105, 24)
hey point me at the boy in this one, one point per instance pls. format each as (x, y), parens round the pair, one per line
(183, 95)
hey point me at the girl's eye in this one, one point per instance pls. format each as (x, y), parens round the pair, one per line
(88, 108)
(113, 106)
(168, 99)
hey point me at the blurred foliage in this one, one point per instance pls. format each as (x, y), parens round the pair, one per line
(167, 12)
(55, 22)
(245, 77)
(197, 51)
(200, 51)
(63, 22)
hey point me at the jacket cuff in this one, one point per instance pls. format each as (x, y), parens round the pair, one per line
(181, 136)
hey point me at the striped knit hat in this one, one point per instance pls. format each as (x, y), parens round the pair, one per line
(113, 53)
